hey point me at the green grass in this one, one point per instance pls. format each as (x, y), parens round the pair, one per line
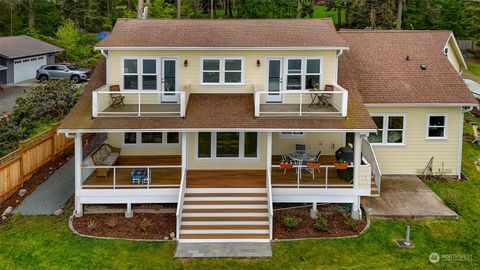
(46, 242)
(474, 68)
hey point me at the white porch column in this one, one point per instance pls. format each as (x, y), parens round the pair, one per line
(184, 150)
(78, 173)
(357, 161)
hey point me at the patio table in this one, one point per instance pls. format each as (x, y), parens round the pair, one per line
(300, 159)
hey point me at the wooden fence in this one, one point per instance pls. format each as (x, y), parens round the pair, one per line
(29, 157)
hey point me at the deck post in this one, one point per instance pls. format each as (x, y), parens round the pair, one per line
(78, 174)
(129, 212)
(357, 151)
(314, 211)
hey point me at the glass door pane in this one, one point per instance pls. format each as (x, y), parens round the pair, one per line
(228, 144)
(169, 80)
(294, 74)
(274, 80)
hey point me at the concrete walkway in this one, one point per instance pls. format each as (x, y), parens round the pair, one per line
(406, 197)
(211, 250)
(52, 194)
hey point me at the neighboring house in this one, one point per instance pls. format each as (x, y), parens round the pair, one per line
(21, 56)
(210, 107)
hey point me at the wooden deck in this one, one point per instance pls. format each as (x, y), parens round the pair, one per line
(282, 110)
(226, 178)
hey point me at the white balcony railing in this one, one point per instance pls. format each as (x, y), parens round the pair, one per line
(302, 102)
(138, 103)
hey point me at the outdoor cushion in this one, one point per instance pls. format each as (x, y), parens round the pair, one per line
(110, 160)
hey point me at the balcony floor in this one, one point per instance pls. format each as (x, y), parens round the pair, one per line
(155, 110)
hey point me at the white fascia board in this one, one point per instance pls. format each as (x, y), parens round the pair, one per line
(208, 130)
(378, 105)
(300, 48)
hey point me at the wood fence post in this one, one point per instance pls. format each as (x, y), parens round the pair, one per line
(22, 170)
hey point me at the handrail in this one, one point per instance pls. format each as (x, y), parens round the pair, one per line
(181, 194)
(270, 202)
(369, 155)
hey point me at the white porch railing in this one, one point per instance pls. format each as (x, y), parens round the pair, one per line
(138, 103)
(270, 202)
(322, 182)
(301, 102)
(369, 155)
(181, 194)
(121, 178)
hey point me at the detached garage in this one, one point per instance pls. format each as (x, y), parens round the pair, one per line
(21, 56)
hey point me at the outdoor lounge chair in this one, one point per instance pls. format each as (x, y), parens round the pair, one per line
(117, 98)
(105, 155)
(324, 99)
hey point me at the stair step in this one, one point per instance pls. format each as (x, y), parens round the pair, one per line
(225, 202)
(225, 190)
(225, 195)
(228, 206)
(224, 227)
(224, 236)
(219, 223)
(226, 210)
(214, 219)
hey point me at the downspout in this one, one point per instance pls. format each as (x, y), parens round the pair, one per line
(338, 54)
(102, 51)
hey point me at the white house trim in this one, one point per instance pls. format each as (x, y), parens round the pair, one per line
(445, 127)
(298, 48)
(381, 105)
(385, 129)
(103, 130)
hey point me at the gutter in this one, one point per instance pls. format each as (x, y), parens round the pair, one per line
(102, 51)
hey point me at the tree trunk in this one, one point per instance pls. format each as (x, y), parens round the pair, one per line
(129, 5)
(399, 14)
(139, 9)
(229, 8)
(179, 10)
(299, 8)
(211, 9)
(312, 8)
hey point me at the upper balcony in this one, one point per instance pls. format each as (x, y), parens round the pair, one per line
(109, 101)
(332, 101)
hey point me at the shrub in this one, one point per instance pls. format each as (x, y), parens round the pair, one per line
(111, 223)
(91, 225)
(321, 224)
(291, 222)
(145, 224)
(352, 223)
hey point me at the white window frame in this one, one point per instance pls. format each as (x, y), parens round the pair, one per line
(222, 70)
(138, 140)
(386, 117)
(140, 73)
(303, 72)
(292, 134)
(241, 149)
(428, 126)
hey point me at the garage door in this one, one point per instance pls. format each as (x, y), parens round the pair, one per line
(26, 68)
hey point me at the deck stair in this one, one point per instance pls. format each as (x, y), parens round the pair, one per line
(223, 211)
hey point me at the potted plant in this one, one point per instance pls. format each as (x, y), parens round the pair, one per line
(312, 165)
(341, 164)
(285, 165)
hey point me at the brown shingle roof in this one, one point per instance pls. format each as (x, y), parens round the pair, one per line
(21, 46)
(223, 33)
(210, 111)
(376, 63)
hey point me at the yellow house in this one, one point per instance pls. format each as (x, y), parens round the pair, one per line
(226, 117)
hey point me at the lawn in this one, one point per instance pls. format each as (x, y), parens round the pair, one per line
(474, 68)
(46, 242)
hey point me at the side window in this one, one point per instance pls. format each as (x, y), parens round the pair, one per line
(436, 126)
(130, 74)
(390, 130)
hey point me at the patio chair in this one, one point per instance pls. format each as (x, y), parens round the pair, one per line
(117, 98)
(286, 163)
(324, 99)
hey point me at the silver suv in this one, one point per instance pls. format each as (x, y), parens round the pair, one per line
(63, 71)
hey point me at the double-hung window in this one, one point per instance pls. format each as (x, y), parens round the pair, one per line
(303, 73)
(390, 129)
(227, 145)
(140, 74)
(436, 126)
(151, 138)
(294, 134)
(222, 71)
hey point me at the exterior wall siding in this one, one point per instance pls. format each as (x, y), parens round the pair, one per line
(452, 57)
(190, 75)
(327, 142)
(115, 139)
(413, 157)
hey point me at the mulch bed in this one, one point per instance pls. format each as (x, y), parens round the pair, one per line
(337, 225)
(140, 226)
(37, 179)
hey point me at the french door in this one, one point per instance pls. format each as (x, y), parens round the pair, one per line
(169, 82)
(275, 80)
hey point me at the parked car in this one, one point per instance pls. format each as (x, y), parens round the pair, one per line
(63, 71)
